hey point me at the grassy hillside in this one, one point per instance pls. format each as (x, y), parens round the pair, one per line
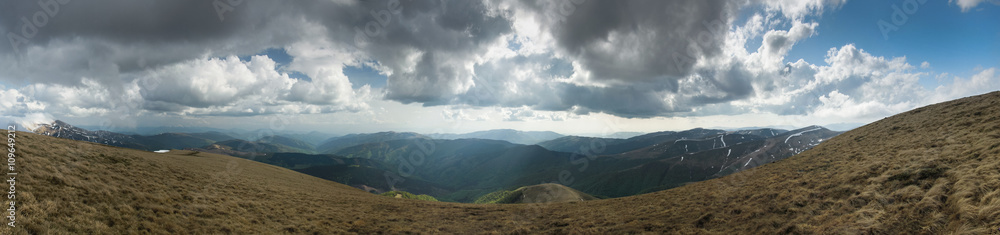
(541, 193)
(933, 170)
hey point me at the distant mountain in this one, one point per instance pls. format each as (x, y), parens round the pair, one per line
(763, 132)
(617, 146)
(624, 135)
(172, 141)
(212, 135)
(572, 144)
(672, 164)
(64, 130)
(155, 142)
(239, 145)
(466, 169)
(513, 136)
(335, 144)
(472, 167)
(314, 138)
(298, 145)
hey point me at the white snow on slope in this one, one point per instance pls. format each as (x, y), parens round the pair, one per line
(723, 140)
(800, 133)
(730, 152)
(748, 162)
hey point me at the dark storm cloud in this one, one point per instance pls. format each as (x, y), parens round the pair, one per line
(637, 40)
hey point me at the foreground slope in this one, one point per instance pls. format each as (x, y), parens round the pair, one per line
(76, 187)
(931, 170)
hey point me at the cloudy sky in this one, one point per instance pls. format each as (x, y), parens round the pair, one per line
(570, 66)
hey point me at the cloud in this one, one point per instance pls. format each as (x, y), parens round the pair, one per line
(796, 9)
(213, 82)
(925, 65)
(967, 5)
(525, 114)
(624, 41)
(777, 42)
(532, 60)
(836, 105)
(985, 81)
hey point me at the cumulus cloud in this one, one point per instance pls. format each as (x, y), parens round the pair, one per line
(531, 60)
(628, 40)
(987, 80)
(796, 9)
(967, 5)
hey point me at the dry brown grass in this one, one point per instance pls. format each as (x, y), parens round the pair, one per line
(933, 170)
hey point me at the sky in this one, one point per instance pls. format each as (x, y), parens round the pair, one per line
(569, 66)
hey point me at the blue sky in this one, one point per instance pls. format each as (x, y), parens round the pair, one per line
(940, 33)
(460, 66)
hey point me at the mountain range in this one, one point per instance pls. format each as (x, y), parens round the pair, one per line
(464, 169)
(513, 136)
(930, 170)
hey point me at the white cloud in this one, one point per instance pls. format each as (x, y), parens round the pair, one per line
(925, 65)
(985, 81)
(967, 5)
(796, 9)
(842, 107)
(211, 82)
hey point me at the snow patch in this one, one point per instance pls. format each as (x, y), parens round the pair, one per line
(800, 133)
(723, 140)
(730, 152)
(161, 151)
(748, 162)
